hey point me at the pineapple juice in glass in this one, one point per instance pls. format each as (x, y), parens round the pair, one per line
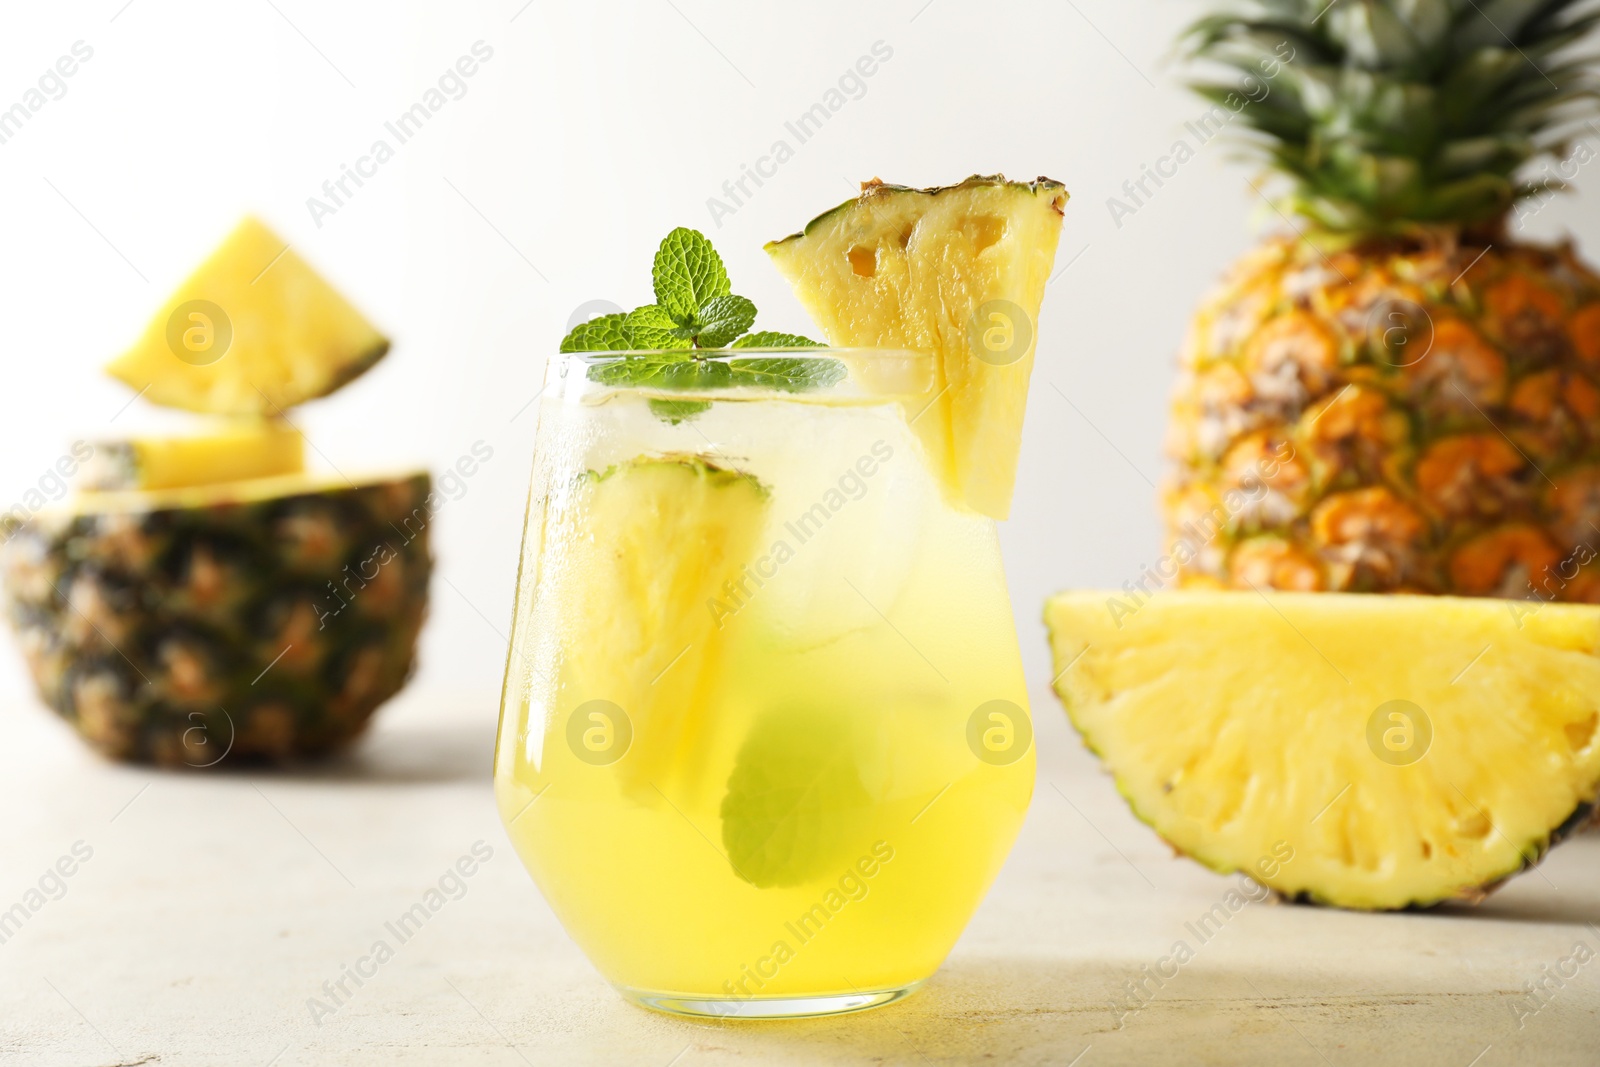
(763, 739)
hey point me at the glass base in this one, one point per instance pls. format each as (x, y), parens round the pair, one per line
(766, 1007)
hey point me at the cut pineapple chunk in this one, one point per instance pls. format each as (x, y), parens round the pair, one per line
(659, 540)
(1361, 751)
(253, 331)
(234, 452)
(959, 271)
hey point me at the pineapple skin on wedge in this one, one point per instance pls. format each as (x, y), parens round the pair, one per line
(253, 331)
(957, 270)
(1238, 725)
(254, 448)
(646, 548)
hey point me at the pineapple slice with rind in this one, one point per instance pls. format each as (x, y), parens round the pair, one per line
(1398, 750)
(253, 331)
(233, 452)
(648, 545)
(958, 270)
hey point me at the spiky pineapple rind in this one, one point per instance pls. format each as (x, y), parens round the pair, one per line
(717, 474)
(1508, 343)
(219, 627)
(878, 188)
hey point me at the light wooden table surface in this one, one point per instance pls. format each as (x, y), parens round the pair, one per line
(213, 906)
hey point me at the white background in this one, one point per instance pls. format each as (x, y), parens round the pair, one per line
(593, 130)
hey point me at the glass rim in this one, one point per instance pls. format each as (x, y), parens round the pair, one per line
(873, 375)
(852, 351)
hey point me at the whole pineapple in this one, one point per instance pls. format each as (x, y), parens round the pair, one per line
(1400, 396)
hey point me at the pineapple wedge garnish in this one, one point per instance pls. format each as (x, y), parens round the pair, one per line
(253, 331)
(1355, 750)
(250, 448)
(958, 271)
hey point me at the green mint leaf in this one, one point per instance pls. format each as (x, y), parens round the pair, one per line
(723, 318)
(604, 334)
(796, 807)
(792, 374)
(688, 274)
(770, 339)
(651, 327)
(689, 374)
(676, 411)
(629, 371)
(663, 372)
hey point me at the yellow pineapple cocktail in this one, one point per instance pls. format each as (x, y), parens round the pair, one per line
(764, 740)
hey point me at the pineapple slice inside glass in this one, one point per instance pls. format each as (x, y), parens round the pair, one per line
(1399, 750)
(960, 271)
(638, 558)
(233, 452)
(253, 331)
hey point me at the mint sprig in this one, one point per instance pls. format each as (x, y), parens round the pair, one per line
(696, 312)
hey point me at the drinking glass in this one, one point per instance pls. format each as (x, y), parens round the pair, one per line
(764, 739)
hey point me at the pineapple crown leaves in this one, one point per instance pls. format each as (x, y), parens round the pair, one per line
(1391, 115)
(696, 312)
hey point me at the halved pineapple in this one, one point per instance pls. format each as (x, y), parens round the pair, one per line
(253, 331)
(958, 270)
(1397, 750)
(660, 538)
(254, 448)
(206, 624)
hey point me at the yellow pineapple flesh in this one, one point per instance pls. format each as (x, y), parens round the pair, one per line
(1366, 752)
(959, 271)
(253, 331)
(661, 537)
(233, 451)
